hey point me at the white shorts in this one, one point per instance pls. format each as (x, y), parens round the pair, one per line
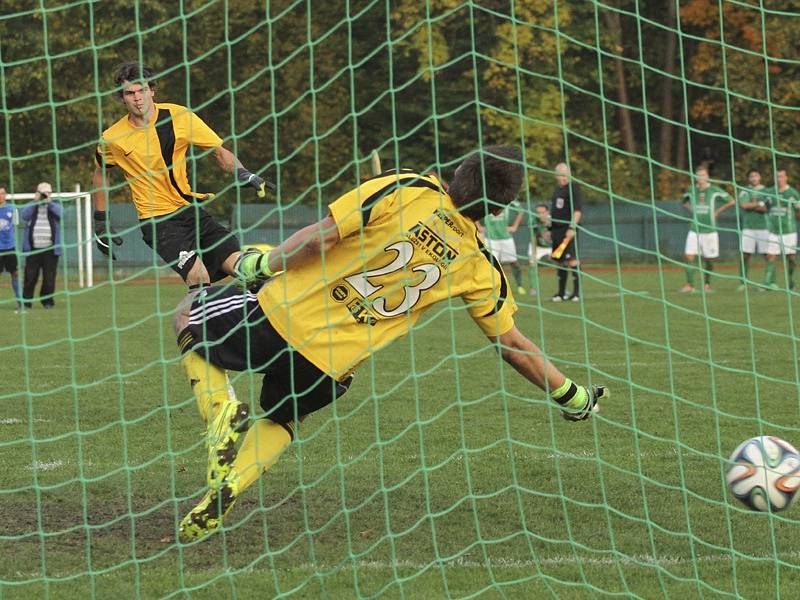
(754, 241)
(782, 244)
(541, 252)
(505, 251)
(704, 244)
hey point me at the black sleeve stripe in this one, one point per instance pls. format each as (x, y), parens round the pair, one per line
(101, 162)
(165, 130)
(416, 182)
(503, 282)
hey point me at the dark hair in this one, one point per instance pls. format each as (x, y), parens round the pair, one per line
(499, 167)
(780, 168)
(541, 205)
(133, 72)
(752, 170)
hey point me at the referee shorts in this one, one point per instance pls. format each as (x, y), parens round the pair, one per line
(228, 327)
(189, 233)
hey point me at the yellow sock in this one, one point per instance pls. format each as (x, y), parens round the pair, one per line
(263, 444)
(209, 384)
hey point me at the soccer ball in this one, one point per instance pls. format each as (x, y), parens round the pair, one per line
(765, 474)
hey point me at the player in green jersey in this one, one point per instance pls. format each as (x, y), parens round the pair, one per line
(499, 229)
(705, 202)
(753, 221)
(540, 245)
(783, 205)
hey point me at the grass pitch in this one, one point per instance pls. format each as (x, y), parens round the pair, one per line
(442, 473)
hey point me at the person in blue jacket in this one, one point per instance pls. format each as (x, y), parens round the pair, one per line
(8, 245)
(41, 244)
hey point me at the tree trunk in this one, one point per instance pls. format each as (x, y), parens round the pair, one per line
(665, 153)
(626, 126)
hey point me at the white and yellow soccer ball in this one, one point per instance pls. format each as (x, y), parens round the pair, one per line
(765, 473)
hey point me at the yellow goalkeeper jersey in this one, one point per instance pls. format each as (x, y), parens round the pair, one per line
(153, 158)
(403, 248)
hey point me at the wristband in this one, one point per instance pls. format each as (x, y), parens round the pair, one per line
(100, 215)
(262, 265)
(243, 175)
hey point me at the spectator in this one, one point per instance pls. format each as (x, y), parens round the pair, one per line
(8, 245)
(41, 244)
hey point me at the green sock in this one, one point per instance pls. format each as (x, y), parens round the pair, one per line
(709, 267)
(744, 269)
(571, 396)
(533, 278)
(790, 265)
(769, 276)
(690, 274)
(517, 272)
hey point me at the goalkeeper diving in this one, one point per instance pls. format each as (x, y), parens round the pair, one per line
(346, 287)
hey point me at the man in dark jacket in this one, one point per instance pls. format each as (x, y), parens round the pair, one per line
(41, 244)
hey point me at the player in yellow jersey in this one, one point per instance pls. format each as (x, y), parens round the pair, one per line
(149, 146)
(351, 284)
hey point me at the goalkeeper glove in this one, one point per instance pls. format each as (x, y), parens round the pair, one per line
(104, 234)
(245, 177)
(577, 402)
(252, 267)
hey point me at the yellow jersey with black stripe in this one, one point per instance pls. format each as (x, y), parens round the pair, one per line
(403, 248)
(153, 158)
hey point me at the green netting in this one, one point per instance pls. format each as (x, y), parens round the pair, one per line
(441, 474)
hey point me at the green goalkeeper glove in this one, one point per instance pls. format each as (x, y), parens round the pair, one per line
(245, 177)
(577, 402)
(252, 267)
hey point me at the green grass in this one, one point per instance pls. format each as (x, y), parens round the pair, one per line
(440, 474)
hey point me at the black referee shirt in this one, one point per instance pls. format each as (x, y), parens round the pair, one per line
(566, 200)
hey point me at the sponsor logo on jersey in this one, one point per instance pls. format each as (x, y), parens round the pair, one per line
(427, 240)
(448, 221)
(340, 293)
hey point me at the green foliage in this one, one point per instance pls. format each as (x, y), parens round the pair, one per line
(304, 91)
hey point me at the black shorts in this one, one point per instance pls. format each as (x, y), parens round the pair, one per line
(229, 328)
(181, 237)
(557, 236)
(8, 261)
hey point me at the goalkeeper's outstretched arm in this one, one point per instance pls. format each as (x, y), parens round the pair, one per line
(577, 402)
(303, 245)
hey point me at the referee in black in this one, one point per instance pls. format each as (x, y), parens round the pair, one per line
(565, 212)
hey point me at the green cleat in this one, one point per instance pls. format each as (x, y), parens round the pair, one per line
(206, 518)
(223, 433)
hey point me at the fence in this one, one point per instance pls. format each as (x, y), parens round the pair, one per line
(635, 231)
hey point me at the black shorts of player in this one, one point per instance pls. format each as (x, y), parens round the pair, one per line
(557, 236)
(228, 327)
(190, 233)
(8, 261)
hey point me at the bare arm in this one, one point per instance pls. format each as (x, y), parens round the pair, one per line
(305, 244)
(724, 207)
(226, 160)
(576, 218)
(515, 225)
(526, 357)
(98, 185)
